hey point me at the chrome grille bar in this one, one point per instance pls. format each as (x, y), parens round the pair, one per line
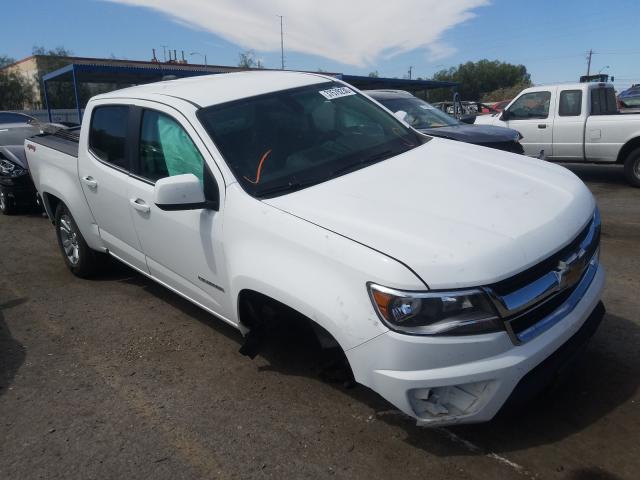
(571, 271)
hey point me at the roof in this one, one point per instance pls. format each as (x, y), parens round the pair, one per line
(220, 88)
(570, 85)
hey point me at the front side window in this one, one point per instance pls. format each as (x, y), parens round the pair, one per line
(570, 103)
(530, 105)
(420, 114)
(166, 149)
(108, 134)
(295, 138)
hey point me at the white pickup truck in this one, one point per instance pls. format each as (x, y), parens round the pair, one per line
(574, 123)
(453, 277)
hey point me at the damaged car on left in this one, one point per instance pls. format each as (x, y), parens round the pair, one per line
(16, 187)
(17, 192)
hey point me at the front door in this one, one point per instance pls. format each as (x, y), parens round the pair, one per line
(183, 248)
(530, 115)
(104, 176)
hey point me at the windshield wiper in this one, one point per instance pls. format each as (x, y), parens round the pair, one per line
(285, 188)
(362, 163)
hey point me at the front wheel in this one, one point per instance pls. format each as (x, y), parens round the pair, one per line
(632, 168)
(7, 207)
(80, 259)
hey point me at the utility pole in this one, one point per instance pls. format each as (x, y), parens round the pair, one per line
(281, 41)
(410, 72)
(589, 62)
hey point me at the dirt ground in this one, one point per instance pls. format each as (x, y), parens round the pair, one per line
(116, 377)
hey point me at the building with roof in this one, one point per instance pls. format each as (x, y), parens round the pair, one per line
(69, 82)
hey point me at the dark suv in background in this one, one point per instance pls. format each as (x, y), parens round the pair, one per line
(429, 120)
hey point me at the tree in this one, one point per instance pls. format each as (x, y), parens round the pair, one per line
(15, 90)
(374, 74)
(6, 60)
(505, 93)
(248, 59)
(477, 79)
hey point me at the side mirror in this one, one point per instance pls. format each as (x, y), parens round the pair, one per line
(181, 192)
(505, 115)
(470, 119)
(401, 115)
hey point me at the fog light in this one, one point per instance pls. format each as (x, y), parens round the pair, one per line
(451, 401)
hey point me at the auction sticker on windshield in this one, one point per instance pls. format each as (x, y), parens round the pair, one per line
(337, 92)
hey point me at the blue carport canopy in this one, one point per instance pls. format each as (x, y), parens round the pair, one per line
(119, 76)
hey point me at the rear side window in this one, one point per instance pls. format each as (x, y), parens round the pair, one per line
(166, 149)
(570, 103)
(108, 134)
(603, 101)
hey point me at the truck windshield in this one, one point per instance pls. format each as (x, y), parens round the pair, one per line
(285, 141)
(420, 114)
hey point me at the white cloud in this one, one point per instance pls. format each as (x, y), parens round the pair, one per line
(352, 32)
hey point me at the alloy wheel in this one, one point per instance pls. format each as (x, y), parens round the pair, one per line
(69, 238)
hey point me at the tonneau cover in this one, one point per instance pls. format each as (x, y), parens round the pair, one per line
(65, 141)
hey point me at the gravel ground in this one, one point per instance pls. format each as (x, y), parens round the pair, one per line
(116, 377)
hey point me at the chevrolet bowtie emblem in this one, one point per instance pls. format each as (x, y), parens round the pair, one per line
(568, 271)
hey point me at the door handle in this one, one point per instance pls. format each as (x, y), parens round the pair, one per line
(542, 125)
(140, 205)
(90, 182)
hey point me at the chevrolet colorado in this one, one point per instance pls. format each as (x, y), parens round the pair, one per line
(453, 277)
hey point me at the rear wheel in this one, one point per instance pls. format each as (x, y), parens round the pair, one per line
(7, 207)
(632, 168)
(80, 259)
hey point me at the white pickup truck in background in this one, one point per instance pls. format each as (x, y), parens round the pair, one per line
(574, 123)
(454, 278)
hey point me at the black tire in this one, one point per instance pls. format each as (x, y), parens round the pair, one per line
(79, 258)
(632, 168)
(7, 207)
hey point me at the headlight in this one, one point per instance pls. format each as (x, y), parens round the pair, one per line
(10, 169)
(461, 312)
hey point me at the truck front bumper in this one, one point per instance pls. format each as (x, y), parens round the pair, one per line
(467, 379)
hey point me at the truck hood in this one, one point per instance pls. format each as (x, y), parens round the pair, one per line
(474, 133)
(456, 214)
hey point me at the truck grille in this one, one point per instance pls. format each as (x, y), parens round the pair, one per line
(536, 299)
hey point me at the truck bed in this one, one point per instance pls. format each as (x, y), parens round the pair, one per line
(65, 141)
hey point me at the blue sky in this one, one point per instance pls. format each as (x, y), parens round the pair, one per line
(549, 37)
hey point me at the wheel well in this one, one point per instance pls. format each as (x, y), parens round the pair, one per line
(51, 203)
(255, 308)
(627, 148)
(287, 337)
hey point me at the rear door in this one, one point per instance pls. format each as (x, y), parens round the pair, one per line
(531, 115)
(569, 125)
(104, 168)
(183, 248)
